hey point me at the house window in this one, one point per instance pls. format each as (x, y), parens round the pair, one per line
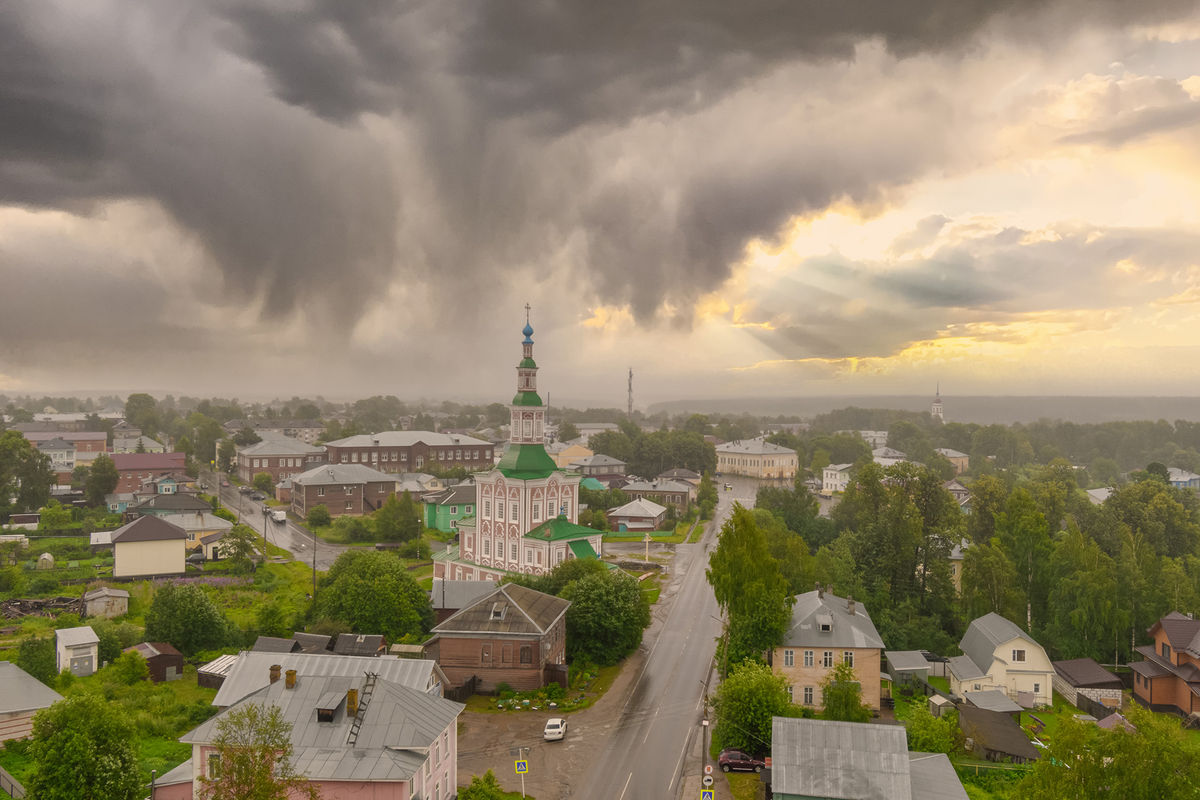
(437, 756)
(808, 658)
(320, 491)
(789, 658)
(808, 695)
(848, 657)
(1166, 651)
(354, 457)
(345, 458)
(1037, 688)
(381, 489)
(526, 654)
(349, 506)
(827, 659)
(790, 698)
(1018, 655)
(214, 765)
(427, 768)
(453, 509)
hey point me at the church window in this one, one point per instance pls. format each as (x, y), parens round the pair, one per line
(539, 557)
(528, 429)
(514, 512)
(513, 557)
(487, 508)
(500, 510)
(528, 556)
(486, 547)
(537, 511)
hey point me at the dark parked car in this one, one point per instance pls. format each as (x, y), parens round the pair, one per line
(737, 760)
(245, 489)
(258, 496)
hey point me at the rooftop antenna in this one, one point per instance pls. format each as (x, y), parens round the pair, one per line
(631, 392)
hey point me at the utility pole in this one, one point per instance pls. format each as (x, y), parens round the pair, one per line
(631, 392)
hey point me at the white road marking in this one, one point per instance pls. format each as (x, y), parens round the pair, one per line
(623, 791)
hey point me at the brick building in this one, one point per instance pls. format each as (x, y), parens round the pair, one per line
(345, 489)
(668, 493)
(412, 451)
(510, 635)
(134, 468)
(278, 456)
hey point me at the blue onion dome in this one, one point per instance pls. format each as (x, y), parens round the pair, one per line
(528, 331)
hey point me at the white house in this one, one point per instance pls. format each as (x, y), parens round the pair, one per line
(887, 456)
(77, 649)
(999, 655)
(21, 696)
(148, 546)
(835, 478)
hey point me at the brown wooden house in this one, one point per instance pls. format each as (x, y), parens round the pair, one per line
(1169, 677)
(511, 635)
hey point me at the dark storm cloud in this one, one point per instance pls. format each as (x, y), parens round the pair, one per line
(319, 150)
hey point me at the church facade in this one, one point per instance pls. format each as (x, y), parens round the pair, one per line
(527, 508)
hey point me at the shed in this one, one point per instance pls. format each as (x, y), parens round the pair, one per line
(21, 696)
(313, 642)
(164, 661)
(77, 649)
(275, 644)
(1083, 676)
(994, 735)
(359, 644)
(994, 700)
(939, 705)
(212, 675)
(45, 561)
(906, 666)
(105, 602)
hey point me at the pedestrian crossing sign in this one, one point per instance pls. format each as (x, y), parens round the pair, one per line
(523, 767)
(706, 794)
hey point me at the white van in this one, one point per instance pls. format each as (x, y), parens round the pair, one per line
(279, 515)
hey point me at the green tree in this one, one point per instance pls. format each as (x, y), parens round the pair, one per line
(226, 453)
(989, 581)
(318, 516)
(129, 668)
(25, 475)
(55, 517)
(1159, 471)
(706, 496)
(36, 656)
(607, 616)
(141, 411)
(567, 431)
(102, 480)
(372, 592)
(79, 476)
(83, 748)
(409, 518)
(1024, 535)
(240, 546)
(483, 788)
(253, 746)
(841, 696)
(263, 482)
(1155, 761)
(930, 734)
(749, 586)
(183, 615)
(744, 706)
(989, 495)
(246, 437)
(389, 521)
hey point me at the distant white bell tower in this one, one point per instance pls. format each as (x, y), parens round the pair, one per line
(935, 410)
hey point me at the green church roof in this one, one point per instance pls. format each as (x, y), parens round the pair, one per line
(558, 529)
(526, 461)
(582, 548)
(527, 399)
(527, 363)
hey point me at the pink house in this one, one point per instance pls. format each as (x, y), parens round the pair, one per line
(355, 737)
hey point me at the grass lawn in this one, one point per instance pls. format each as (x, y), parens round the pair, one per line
(940, 683)
(743, 785)
(486, 703)
(1050, 716)
(697, 533)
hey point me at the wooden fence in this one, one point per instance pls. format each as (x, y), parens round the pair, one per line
(9, 784)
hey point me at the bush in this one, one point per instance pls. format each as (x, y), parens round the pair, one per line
(318, 516)
(417, 549)
(44, 584)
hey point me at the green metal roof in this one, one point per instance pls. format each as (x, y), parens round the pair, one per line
(558, 529)
(593, 484)
(526, 399)
(526, 461)
(527, 363)
(582, 548)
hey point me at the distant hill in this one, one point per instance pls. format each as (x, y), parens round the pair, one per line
(982, 410)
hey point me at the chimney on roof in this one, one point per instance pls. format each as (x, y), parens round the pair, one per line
(352, 702)
(290, 679)
(850, 604)
(275, 670)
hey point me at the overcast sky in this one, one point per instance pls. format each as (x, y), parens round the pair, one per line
(755, 198)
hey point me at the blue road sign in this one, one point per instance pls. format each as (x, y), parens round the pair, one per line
(706, 794)
(523, 767)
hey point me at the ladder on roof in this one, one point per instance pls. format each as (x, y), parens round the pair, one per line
(368, 687)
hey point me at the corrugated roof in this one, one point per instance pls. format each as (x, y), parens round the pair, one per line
(964, 668)
(329, 474)
(398, 725)
(657, 486)
(598, 460)
(407, 439)
(73, 637)
(906, 660)
(149, 650)
(847, 629)
(995, 730)
(559, 528)
(640, 507)
(104, 591)
(456, 495)
(200, 521)
(992, 700)
(275, 644)
(20, 691)
(509, 609)
(458, 594)
(147, 529)
(128, 461)
(280, 446)
(933, 777)
(582, 549)
(248, 672)
(759, 447)
(842, 760)
(176, 501)
(358, 644)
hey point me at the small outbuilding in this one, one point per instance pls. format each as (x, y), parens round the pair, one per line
(358, 644)
(906, 666)
(105, 602)
(77, 649)
(21, 696)
(45, 561)
(148, 546)
(164, 661)
(1083, 676)
(275, 644)
(995, 736)
(994, 700)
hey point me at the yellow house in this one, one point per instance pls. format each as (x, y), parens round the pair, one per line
(567, 453)
(148, 546)
(826, 631)
(756, 458)
(999, 655)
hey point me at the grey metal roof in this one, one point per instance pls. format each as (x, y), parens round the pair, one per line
(312, 642)
(758, 447)
(639, 508)
(181, 774)
(1085, 672)
(933, 777)
(74, 637)
(20, 691)
(992, 700)
(964, 668)
(358, 644)
(408, 439)
(598, 460)
(104, 591)
(248, 671)
(147, 529)
(200, 521)
(456, 495)
(177, 501)
(219, 665)
(987, 633)
(843, 760)
(398, 725)
(906, 660)
(848, 629)
(275, 644)
(328, 474)
(458, 594)
(950, 453)
(509, 609)
(280, 446)
(657, 486)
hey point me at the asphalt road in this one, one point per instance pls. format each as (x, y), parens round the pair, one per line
(645, 756)
(288, 535)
